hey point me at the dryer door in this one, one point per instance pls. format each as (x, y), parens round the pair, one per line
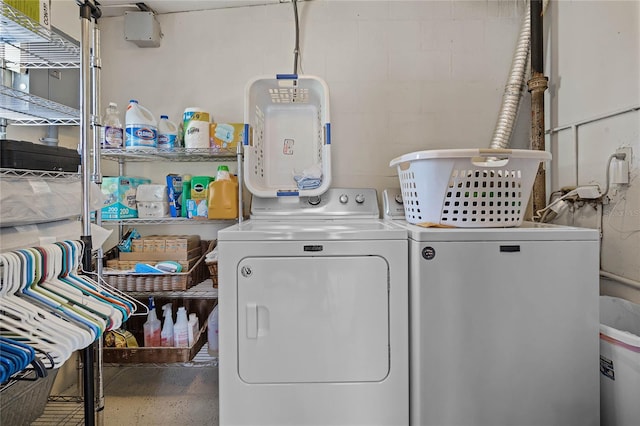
(313, 319)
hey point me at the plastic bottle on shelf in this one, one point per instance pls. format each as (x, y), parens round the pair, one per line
(186, 194)
(222, 195)
(111, 133)
(141, 127)
(152, 331)
(212, 333)
(194, 328)
(181, 329)
(167, 133)
(167, 328)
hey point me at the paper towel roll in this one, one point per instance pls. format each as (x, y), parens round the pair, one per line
(196, 129)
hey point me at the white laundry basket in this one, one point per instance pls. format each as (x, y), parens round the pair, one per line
(287, 131)
(619, 362)
(467, 187)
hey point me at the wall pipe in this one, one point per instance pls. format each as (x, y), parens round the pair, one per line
(537, 86)
(623, 280)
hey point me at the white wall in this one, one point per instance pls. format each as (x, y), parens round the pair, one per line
(403, 76)
(593, 67)
(407, 76)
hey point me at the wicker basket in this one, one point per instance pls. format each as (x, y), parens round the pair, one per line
(136, 282)
(213, 271)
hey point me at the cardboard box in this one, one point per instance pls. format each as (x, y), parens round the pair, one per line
(179, 243)
(225, 137)
(38, 10)
(158, 256)
(121, 196)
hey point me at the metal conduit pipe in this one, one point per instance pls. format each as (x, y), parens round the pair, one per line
(515, 85)
(537, 86)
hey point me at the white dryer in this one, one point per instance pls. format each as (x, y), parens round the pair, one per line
(503, 324)
(313, 314)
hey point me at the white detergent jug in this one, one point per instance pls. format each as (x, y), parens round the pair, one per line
(167, 133)
(141, 127)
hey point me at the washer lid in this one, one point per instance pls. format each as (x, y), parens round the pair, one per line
(528, 231)
(322, 230)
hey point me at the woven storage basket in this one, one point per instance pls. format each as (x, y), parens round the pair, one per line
(467, 188)
(179, 281)
(213, 272)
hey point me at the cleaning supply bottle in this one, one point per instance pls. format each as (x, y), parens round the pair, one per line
(194, 328)
(141, 127)
(222, 195)
(152, 331)
(181, 329)
(167, 133)
(167, 328)
(186, 195)
(212, 333)
(111, 131)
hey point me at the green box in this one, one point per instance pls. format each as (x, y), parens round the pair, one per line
(37, 10)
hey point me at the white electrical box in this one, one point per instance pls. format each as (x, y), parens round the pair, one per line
(142, 28)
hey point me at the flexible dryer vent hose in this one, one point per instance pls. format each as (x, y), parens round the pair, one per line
(515, 85)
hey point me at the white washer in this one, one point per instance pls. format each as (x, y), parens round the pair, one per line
(313, 314)
(503, 325)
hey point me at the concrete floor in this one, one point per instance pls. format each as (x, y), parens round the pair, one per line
(147, 394)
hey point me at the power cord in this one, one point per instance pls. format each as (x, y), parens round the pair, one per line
(589, 192)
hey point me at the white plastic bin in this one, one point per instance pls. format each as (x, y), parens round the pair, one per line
(619, 362)
(287, 133)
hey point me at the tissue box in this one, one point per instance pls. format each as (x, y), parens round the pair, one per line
(152, 209)
(121, 196)
(152, 192)
(225, 137)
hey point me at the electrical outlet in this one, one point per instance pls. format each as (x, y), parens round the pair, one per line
(628, 151)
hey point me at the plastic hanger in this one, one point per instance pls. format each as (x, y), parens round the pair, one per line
(33, 260)
(53, 262)
(35, 314)
(86, 286)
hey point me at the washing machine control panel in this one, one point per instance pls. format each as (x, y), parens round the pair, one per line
(342, 203)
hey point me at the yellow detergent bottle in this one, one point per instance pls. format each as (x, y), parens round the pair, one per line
(223, 195)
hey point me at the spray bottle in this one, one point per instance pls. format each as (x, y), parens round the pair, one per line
(167, 329)
(181, 329)
(152, 332)
(194, 328)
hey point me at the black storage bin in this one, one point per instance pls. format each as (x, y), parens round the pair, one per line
(31, 156)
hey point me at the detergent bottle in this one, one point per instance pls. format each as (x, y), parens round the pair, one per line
(167, 133)
(167, 328)
(222, 195)
(152, 336)
(111, 131)
(181, 329)
(186, 195)
(141, 128)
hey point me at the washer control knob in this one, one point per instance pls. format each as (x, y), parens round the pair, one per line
(315, 200)
(360, 198)
(344, 198)
(399, 198)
